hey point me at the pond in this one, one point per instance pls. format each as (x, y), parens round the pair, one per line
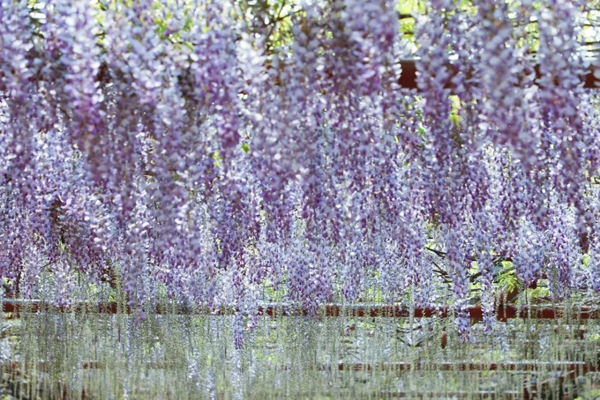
(53, 355)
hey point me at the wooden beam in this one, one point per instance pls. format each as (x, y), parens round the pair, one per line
(17, 307)
(408, 78)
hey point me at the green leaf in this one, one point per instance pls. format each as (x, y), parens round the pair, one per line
(539, 292)
(585, 260)
(455, 105)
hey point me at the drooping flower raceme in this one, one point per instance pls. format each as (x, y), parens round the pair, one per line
(189, 152)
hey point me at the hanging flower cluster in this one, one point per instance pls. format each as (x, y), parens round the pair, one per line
(169, 147)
